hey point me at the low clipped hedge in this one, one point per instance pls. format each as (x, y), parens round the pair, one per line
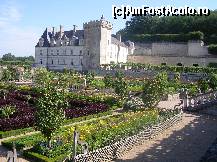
(212, 49)
(38, 157)
(15, 132)
(197, 35)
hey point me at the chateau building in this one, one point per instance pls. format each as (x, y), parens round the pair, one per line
(81, 50)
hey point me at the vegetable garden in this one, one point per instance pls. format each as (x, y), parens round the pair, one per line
(52, 110)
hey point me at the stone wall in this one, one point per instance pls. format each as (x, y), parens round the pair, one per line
(191, 48)
(173, 60)
(178, 49)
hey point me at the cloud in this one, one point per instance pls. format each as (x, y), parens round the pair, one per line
(19, 40)
(9, 13)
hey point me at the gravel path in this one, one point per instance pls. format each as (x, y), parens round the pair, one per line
(186, 141)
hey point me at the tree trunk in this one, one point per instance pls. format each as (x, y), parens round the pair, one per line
(49, 142)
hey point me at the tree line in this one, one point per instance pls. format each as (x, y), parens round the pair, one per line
(10, 57)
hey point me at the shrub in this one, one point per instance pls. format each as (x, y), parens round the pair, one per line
(213, 81)
(108, 81)
(196, 35)
(155, 89)
(212, 65)
(134, 103)
(7, 110)
(212, 49)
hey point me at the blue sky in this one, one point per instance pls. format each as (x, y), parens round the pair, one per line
(23, 21)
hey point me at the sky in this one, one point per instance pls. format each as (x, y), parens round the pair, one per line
(22, 22)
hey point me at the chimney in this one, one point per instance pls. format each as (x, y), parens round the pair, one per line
(61, 31)
(53, 31)
(74, 28)
(119, 37)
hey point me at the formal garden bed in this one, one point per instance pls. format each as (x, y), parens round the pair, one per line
(42, 118)
(97, 134)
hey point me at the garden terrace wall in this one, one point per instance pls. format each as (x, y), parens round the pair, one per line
(121, 147)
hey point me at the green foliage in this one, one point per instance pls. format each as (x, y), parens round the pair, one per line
(212, 49)
(120, 86)
(155, 89)
(89, 77)
(50, 111)
(97, 83)
(9, 74)
(108, 80)
(203, 85)
(7, 110)
(167, 37)
(213, 81)
(8, 57)
(23, 142)
(172, 25)
(134, 103)
(15, 132)
(212, 65)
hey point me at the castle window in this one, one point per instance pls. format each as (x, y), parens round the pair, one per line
(64, 62)
(81, 62)
(71, 52)
(57, 52)
(58, 61)
(64, 52)
(41, 61)
(40, 52)
(72, 62)
(88, 53)
(52, 62)
(80, 52)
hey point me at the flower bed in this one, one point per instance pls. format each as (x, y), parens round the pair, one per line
(24, 113)
(23, 116)
(103, 132)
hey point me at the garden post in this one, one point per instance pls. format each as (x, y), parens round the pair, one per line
(185, 100)
(75, 139)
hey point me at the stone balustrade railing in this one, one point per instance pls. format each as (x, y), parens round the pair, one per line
(200, 101)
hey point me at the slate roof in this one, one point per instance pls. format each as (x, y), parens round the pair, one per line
(117, 42)
(69, 34)
(44, 36)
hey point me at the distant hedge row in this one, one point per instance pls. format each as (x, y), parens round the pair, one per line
(27, 63)
(212, 49)
(167, 37)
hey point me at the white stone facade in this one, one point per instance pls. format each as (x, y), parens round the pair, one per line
(81, 50)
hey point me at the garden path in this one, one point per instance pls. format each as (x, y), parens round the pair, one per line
(186, 141)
